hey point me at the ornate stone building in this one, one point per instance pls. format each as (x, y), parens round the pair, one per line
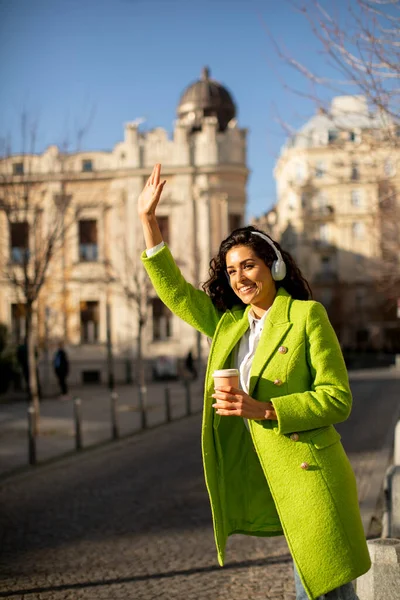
(96, 279)
(338, 212)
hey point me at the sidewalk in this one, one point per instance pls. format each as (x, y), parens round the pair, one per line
(57, 433)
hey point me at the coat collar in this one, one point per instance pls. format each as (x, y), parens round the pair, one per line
(236, 323)
(279, 312)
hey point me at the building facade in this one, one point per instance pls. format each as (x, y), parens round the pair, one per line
(95, 293)
(338, 212)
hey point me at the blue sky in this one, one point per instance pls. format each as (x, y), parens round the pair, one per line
(133, 58)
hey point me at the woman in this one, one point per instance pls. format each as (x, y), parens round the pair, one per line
(280, 467)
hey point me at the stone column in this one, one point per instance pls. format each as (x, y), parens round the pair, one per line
(382, 582)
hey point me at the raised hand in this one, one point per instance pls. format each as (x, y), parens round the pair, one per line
(151, 194)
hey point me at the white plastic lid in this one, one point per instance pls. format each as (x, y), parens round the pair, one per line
(226, 373)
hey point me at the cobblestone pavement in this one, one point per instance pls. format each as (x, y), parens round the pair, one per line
(132, 521)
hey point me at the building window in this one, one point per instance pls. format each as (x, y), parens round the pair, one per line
(162, 320)
(19, 242)
(87, 165)
(18, 323)
(324, 233)
(321, 201)
(326, 264)
(352, 136)
(388, 168)
(360, 298)
(304, 199)
(89, 322)
(326, 297)
(163, 223)
(88, 248)
(234, 222)
(355, 173)
(332, 136)
(319, 169)
(358, 230)
(18, 168)
(356, 197)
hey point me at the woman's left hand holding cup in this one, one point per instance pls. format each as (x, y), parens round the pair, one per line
(233, 402)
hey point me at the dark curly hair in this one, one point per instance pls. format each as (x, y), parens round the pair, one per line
(218, 287)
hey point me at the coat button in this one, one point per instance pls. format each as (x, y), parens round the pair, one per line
(282, 350)
(294, 437)
(278, 382)
(304, 466)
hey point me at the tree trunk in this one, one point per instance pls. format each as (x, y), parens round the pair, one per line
(32, 364)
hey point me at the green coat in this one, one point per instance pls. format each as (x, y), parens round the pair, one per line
(255, 482)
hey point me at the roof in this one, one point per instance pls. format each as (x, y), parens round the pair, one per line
(347, 113)
(206, 97)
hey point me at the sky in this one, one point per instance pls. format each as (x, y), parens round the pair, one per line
(71, 62)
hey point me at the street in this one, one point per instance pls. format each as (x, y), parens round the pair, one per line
(132, 520)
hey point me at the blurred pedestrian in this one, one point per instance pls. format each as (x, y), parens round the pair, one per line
(61, 368)
(190, 366)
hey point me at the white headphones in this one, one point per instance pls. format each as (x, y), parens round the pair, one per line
(278, 269)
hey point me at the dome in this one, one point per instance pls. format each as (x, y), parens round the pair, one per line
(206, 98)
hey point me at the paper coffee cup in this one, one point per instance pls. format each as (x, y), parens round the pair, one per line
(226, 377)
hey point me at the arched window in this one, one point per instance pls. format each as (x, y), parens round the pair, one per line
(355, 173)
(358, 230)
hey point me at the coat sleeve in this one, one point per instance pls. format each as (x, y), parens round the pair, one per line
(182, 298)
(329, 400)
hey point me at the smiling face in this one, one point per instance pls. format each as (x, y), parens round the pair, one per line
(250, 278)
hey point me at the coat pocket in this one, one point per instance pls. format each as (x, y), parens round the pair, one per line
(325, 437)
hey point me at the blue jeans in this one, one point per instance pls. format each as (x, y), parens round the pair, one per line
(344, 592)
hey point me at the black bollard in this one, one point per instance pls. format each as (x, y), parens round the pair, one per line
(186, 383)
(142, 405)
(31, 436)
(114, 415)
(78, 423)
(167, 404)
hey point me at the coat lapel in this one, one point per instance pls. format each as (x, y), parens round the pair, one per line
(276, 326)
(236, 323)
